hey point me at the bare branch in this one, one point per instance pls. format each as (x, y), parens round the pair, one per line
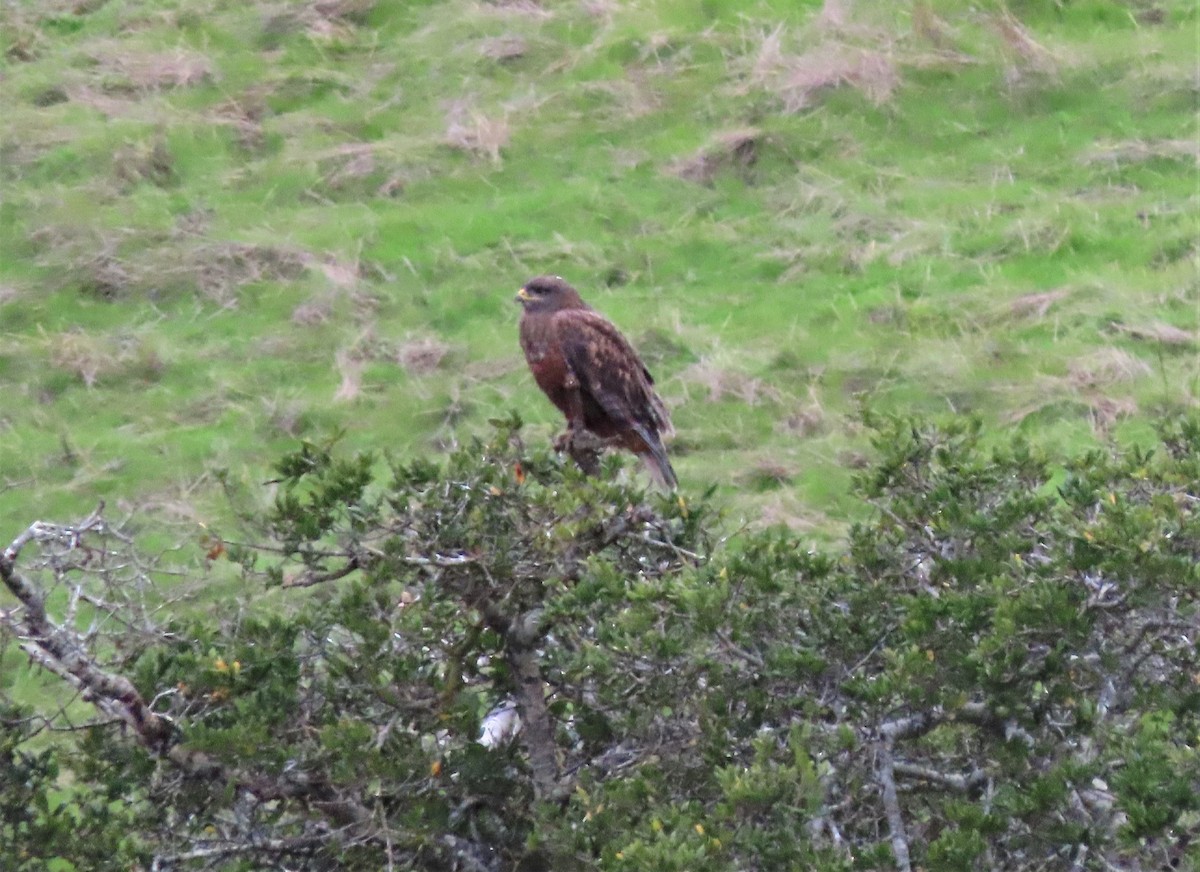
(961, 783)
(311, 577)
(57, 648)
(268, 847)
(886, 776)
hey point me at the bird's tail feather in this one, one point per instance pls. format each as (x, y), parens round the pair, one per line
(655, 459)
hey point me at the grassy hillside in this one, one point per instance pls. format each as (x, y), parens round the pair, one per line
(226, 225)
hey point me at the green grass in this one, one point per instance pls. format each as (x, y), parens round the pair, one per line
(207, 203)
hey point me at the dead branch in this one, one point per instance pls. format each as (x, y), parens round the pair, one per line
(57, 648)
(268, 848)
(955, 781)
(311, 577)
(886, 776)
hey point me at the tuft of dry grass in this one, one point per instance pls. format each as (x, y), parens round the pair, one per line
(783, 508)
(349, 363)
(104, 277)
(1105, 411)
(139, 162)
(736, 149)
(154, 71)
(422, 355)
(343, 275)
(351, 168)
(1157, 331)
(477, 134)
(502, 49)
(766, 475)
(93, 359)
(799, 80)
(722, 383)
(834, 14)
(929, 28)
(1036, 305)
(285, 416)
(244, 113)
(527, 8)
(1140, 150)
(1106, 366)
(321, 21)
(807, 420)
(312, 312)
(221, 269)
(1024, 53)
(600, 8)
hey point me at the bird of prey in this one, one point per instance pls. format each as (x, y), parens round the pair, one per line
(591, 372)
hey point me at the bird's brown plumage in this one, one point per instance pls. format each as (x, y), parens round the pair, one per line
(591, 372)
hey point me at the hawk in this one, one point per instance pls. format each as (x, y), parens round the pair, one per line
(591, 372)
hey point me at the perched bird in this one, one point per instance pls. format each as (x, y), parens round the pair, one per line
(591, 372)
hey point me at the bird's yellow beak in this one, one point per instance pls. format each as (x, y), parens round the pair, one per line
(523, 296)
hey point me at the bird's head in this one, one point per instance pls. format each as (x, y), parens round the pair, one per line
(548, 294)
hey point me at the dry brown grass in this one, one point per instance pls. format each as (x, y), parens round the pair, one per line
(1036, 305)
(1157, 331)
(733, 149)
(1093, 399)
(502, 49)
(929, 28)
(285, 416)
(349, 363)
(783, 508)
(221, 269)
(477, 134)
(835, 14)
(1105, 411)
(766, 474)
(312, 313)
(800, 80)
(810, 419)
(321, 21)
(143, 72)
(150, 162)
(721, 383)
(600, 8)
(1023, 54)
(244, 113)
(422, 355)
(104, 277)
(525, 8)
(1106, 366)
(93, 359)
(1140, 150)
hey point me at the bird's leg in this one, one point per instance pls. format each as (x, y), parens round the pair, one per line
(584, 447)
(574, 402)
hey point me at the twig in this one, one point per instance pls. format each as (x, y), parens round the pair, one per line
(311, 577)
(961, 783)
(667, 545)
(741, 653)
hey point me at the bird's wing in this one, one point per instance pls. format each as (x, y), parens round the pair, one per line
(609, 369)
